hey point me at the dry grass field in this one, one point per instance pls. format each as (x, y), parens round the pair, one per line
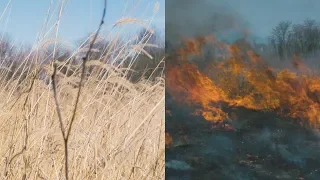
(118, 131)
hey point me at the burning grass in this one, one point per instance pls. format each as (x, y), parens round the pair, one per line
(244, 80)
(240, 118)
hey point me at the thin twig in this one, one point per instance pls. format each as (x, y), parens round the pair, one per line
(85, 59)
(55, 95)
(26, 124)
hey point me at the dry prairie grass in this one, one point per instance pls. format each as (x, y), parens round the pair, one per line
(118, 131)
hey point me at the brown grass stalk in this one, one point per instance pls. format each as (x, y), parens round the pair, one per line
(85, 59)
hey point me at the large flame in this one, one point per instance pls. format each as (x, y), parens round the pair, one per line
(242, 80)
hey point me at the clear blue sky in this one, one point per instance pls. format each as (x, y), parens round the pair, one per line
(24, 18)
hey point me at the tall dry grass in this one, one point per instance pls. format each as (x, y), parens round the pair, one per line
(118, 132)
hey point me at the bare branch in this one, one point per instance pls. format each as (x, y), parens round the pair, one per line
(85, 59)
(54, 86)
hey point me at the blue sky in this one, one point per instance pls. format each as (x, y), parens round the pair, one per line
(24, 19)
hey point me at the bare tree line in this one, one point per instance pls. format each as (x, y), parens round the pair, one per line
(289, 39)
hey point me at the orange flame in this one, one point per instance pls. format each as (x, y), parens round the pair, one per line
(168, 139)
(242, 80)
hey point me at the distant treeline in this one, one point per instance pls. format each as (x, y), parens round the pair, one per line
(141, 66)
(289, 39)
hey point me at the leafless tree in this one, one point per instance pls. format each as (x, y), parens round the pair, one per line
(302, 39)
(7, 49)
(280, 39)
(145, 66)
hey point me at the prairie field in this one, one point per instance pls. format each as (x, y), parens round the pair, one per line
(117, 128)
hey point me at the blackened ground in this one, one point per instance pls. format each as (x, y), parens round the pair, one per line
(261, 146)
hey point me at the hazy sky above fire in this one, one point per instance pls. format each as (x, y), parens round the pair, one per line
(263, 15)
(231, 19)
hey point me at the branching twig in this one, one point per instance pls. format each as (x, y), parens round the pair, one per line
(85, 59)
(25, 125)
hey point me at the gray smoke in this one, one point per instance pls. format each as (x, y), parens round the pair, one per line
(190, 18)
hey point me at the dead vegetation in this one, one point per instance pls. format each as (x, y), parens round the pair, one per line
(118, 126)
